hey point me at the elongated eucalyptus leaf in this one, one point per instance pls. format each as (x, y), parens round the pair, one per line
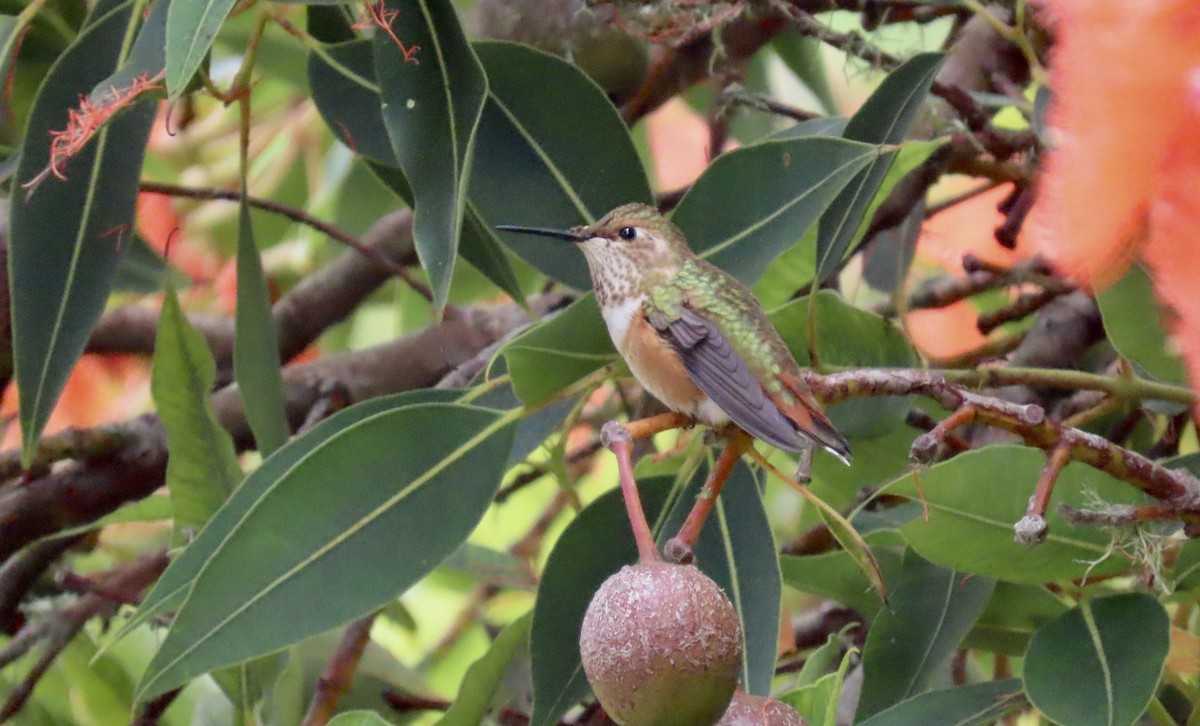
(256, 364)
(202, 468)
(337, 522)
(431, 106)
(912, 639)
(977, 703)
(737, 550)
(836, 575)
(883, 119)
(66, 237)
(348, 99)
(9, 33)
(1101, 662)
(973, 501)
(354, 114)
(147, 57)
(782, 188)
(484, 676)
(556, 158)
(559, 351)
(192, 26)
(173, 585)
(1130, 317)
(802, 55)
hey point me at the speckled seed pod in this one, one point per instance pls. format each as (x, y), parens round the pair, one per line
(747, 710)
(661, 646)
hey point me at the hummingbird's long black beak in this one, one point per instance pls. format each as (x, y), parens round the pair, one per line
(567, 235)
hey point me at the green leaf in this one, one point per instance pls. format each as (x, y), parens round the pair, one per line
(1012, 616)
(431, 108)
(802, 55)
(489, 566)
(358, 718)
(142, 270)
(737, 551)
(147, 56)
(172, 586)
(9, 33)
(819, 661)
(783, 187)
(1186, 572)
(836, 575)
(246, 684)
(818, 702)
(594, 545)
(975, 498)
(977, 703)
(556, 158)
(312, 528)
(1100, 662)
(883, 119)
(1130, 314)
(557, 352)
(66, 237)
(912, 639)
(155, 508)
(353, 112)
(202, 467)
(789, 273)
(481, 247)
(192, 26)
(256, 364)
(348, 100)
(483, 678)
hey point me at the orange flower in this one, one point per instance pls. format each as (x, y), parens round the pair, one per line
(1120, 71)
(1124, 178)
(966, 228)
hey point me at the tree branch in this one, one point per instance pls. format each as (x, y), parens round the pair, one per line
(132, 463)
(319, 301)
(335, 680)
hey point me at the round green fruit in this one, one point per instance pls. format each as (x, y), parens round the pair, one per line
(661, 646)
(747, 710)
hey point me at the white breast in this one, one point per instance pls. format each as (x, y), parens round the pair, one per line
(617, 317)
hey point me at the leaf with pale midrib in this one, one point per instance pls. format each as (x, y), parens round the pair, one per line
(65, 237)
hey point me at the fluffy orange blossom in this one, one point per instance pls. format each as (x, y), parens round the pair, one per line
(1123, 180)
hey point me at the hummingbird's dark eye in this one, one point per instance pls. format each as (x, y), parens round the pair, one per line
(627, 233)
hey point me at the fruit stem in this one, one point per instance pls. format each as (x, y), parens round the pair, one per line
(680, 546)
(619, 440)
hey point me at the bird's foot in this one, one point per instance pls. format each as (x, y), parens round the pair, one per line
(803, 473)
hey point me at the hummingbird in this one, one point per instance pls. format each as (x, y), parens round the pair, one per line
(693, 335)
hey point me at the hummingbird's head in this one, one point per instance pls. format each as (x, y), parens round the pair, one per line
(638, 232)
(624, 248)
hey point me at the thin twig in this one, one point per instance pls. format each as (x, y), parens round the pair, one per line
(296, 215)
(339, 673)
(1176, 487)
